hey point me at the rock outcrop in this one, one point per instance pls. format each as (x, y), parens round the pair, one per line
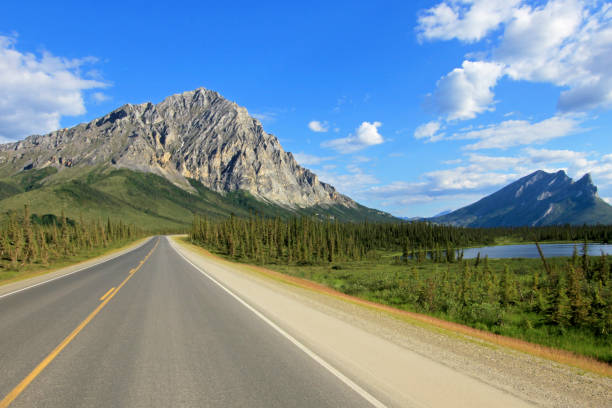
(196, 134)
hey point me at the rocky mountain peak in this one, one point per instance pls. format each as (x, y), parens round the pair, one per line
(540, 198)
(196, 134)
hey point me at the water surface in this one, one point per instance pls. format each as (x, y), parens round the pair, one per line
(530, 250)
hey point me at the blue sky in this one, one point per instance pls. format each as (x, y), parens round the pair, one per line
(413, 107)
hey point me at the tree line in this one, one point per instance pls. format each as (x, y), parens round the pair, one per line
(27, 239)
(309, 240)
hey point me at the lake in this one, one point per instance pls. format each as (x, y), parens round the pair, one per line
(530, 251)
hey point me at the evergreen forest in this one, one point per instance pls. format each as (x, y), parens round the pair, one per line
(31, 242)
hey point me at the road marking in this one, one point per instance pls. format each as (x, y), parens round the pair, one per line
(107, 293)
(72, 273)
(10, 397)
(350, 383)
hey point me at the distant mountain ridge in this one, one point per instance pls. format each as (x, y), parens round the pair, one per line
(538, 199)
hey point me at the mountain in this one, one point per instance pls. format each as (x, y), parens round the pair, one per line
(198, 144)
(540, 198)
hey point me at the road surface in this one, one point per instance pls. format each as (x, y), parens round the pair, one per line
(165, 336)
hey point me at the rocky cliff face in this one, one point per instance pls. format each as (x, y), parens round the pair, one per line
(197, 134)
(540, 198)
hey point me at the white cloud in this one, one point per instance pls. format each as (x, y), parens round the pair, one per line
(317, 126)
(306, 159)
(100, 97)
(464, 181)
(567, 43)
(352, 183)
(520, 132)
(37, 91)
(429, 131)
(466, 20)
(534, 35)
(361, 159)
(452, 162)
(467, 91)
(365, 135)
(555, 156)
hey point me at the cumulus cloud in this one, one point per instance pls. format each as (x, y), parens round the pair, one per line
(567, 43)
(467, 20)
(36, 91)
(511, 133)
(534, 35)
(352, 182)
(508, 133)
(317, 126)
(467, 91)
(365, 135)
(429, 131)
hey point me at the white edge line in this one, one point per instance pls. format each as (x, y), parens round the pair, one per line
(363, 393)
(72, 273)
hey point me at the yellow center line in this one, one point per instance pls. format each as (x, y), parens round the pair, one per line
(10, 397)
(107, 293)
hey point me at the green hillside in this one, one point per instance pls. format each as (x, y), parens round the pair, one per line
(145, 199)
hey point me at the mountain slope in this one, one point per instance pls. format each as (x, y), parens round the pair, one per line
(540, 198)
(195, 135)
(193, 153)
(146, 199)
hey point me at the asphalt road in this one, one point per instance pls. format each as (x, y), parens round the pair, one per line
(168, 337)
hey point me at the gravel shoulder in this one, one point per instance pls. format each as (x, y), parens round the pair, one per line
(406, 364)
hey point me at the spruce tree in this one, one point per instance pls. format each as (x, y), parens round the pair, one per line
(560, 311)
(578, 303)
(508, 293)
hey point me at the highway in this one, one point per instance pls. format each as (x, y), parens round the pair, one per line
(148, 329)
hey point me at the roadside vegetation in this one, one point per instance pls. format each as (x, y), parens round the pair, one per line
(564, 303)
(30, 243)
